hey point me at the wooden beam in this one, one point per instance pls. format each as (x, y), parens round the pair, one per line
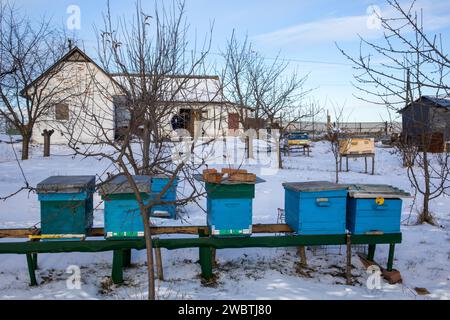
(193, 230)
(24, 247)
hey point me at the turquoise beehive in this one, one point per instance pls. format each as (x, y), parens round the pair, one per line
(159, 182)
(66, 205)
(123, 218)
(229, 208)
(314, 208)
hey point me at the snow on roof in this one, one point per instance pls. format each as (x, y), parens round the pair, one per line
(440, 101)
(181, 88)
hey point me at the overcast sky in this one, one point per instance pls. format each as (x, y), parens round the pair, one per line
(302, 31)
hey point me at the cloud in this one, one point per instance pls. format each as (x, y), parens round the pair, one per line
(326, 30)
(347, 28)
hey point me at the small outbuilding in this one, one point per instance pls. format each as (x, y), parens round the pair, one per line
(426, 122)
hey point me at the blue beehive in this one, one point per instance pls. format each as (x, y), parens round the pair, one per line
(229, 208)
(66, 205)
(374, 209)
(123, 218)
(159, 182)
(315, 207)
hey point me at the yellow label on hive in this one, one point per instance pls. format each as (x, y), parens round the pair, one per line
(379, 201)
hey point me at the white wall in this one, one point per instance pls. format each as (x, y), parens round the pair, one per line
(88, 92)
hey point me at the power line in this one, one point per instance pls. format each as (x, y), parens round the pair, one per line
(298, 60)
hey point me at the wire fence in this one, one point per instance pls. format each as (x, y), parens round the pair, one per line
(363, 128)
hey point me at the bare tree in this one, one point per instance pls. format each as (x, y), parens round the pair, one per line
(335, 131)
(416, 64)
(239, 58)
(274, 94)
(27, 50)
(152, 77)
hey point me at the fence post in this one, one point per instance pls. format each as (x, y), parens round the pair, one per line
(47, 134)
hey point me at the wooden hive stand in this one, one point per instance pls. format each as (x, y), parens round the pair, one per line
(357, 148)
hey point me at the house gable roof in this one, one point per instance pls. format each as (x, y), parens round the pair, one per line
(74, 55)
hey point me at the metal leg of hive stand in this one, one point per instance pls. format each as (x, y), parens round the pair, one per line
(390, 262)
(346, 161)
(35, 261)
(117, 267)
(371, 253)
(365, 163)
(31, 269)
(206, 262)
(340, 164)
(205, 259)
(126, 258)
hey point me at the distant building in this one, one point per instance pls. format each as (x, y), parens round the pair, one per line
(426, 121)
(70, 116)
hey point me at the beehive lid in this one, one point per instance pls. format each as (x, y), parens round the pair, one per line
(313, 186)
(120, 185)
(370, 191)
(66, 184)
(225, 181)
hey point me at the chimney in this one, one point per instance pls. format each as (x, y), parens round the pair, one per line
(70, 44)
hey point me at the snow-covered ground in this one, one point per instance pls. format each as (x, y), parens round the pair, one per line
(423, 257)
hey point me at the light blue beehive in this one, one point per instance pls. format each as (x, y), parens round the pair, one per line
(159, 182)
(374, 209)
(314, 208)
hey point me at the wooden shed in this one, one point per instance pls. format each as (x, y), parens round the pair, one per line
(426, 122)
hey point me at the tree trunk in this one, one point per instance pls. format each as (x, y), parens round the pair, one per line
(280, 159)
(149, 251)
(337, 170)
(146, 141)
(26, 139)
(425, 216)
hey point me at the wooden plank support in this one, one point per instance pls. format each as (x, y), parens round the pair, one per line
(348, 272)
(159, 264)
(192, 230)
(31, 269)
(371, 252)
(117, 267)
(302, 253)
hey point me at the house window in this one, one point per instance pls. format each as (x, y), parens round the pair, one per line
(62, 112)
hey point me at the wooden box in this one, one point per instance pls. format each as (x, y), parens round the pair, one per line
(357, 146)
(213, 177)
(233, 171)
(242, 177)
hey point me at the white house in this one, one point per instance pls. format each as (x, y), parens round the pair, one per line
(86, 110)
